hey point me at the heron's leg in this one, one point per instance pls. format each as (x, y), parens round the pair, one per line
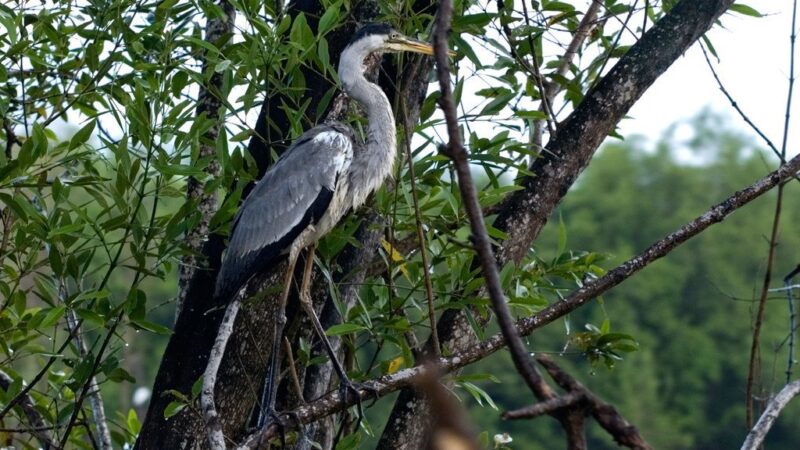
(305, 301)
(268, 392)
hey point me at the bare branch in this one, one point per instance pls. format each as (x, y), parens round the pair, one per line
(480, 238)
(216, 440)
(605, 414)
(756, 436)
(547, 407)
(95, 398)
(754, 364)
(423, 249)
(773, 239)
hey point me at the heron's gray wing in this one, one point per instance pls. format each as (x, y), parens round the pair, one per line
(293, 194)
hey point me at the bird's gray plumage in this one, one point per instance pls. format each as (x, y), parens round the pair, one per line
(295, 193)
(310, 188)
(322, 176)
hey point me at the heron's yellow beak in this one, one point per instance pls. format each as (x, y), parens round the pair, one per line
(406, 44)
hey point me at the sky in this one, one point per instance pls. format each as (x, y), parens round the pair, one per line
(753, 66)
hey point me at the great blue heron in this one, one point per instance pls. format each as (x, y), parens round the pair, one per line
(322, 176)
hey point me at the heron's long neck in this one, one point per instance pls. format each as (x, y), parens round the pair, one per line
(373, 165)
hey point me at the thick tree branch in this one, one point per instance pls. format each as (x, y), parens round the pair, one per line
(756, 436)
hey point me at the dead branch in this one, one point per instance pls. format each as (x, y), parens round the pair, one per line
(756, 436)
(216, 440)
(480, 238)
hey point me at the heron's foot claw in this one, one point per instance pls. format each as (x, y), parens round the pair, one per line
(271, 417)
(347, 389)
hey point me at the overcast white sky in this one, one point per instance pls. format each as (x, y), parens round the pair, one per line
(754, 66)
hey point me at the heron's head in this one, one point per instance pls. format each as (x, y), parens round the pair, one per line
(381, 37)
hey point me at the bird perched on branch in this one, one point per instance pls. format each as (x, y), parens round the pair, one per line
(323, 175)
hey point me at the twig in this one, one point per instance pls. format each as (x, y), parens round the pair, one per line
(787, 284)
(37, 426)
(423, 251)
(480, 238)
(605, 414)
(85, 389)
(551, 88)
(95, 397)
(756, 436)
(548, 407)
(545, 101)
(773, 241)
(616, 42)
(24, 392)
(293, 369)
(216, 440)
(533, 70)
(753, 365)
(735, 106)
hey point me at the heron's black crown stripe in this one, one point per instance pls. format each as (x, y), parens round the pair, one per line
(236, 271)
(370, 29)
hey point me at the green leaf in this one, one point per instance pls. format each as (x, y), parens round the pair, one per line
(349, 442)
(301, 33)
(201, 43)
(745, 10)
(173, 408)
(329, 19)
(536, 115)
(82, 135)
(500, 102)
(152, 327)
(67, 229)
(119, 374)
(197, 387)
(52, 316)
(134, 426)
(222, 65)
(344, 328)
(12, 203)
(177, 169)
